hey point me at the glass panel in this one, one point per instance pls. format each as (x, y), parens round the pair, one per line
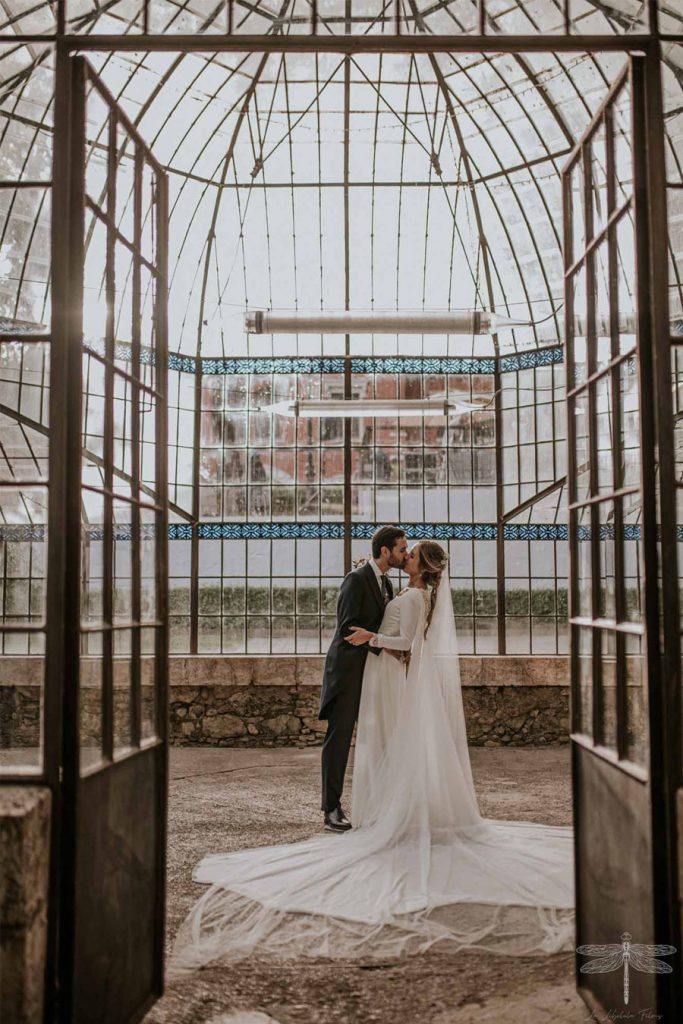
(608, 689)
(21, 705)
(587, 19)
(90, 701)
(577, 209)
(636, 702)
(24, 221)
(606, 589)
(122, 678)
(582, 446)
(626, 281)
(623, 153)
(92, 551)
(605, 433)
(583, 638)
(584, 567)
(121, 567)
(632, 559)
(580, 341)
(598, 179)
(148, 640)
(629, 423)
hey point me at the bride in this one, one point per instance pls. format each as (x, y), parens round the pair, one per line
(421, 866)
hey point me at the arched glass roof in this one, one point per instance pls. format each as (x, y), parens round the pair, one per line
(314, 181)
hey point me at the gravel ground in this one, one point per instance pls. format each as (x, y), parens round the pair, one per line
(224, 799)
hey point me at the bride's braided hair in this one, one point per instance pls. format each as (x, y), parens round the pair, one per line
(432, 560)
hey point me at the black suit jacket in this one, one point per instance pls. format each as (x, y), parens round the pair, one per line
(359, 603)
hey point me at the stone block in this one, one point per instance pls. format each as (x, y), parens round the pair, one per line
(24, 872)
(221, 727)
(309, 671)
(282, 725)
(274, 670)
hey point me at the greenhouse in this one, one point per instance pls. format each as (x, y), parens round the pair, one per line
(274, 276)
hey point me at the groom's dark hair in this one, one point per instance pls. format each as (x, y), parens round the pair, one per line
(385, 537)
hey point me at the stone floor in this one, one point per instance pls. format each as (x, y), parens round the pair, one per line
(223, 799)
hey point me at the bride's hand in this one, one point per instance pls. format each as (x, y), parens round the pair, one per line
(358, 636)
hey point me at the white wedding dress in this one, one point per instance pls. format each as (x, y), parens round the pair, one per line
(421, 866)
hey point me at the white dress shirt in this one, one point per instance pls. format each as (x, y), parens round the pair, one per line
(378, 573)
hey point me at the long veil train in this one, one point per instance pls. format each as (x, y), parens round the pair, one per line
(424, 868)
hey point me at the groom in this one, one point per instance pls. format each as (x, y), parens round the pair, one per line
(361, 602)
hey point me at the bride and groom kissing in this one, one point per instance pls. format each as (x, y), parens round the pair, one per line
(370, 620)
(421, 865)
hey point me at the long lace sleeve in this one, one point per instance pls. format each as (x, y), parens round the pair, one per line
(410, 608)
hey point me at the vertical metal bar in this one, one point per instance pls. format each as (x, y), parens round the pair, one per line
(194, 541)
(314, 17)
(567, 17)
(230, 10)
(577, 724)
(591, 353)
(161, 667)
(65, 482)
(61, 483)
(500, 511)
(136, 442)
(665, 713)
(644, 343)
(482, 17)
(397, 18)
(145, 17)
(108, 565)
(347, 300)
(621, 709)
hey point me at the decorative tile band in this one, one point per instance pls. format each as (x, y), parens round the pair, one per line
(14, 532)
(270, 531)
(528, 360)
(212, 366)
(535, 531)
(180, 531)
(423, 364)
(277, 364)
(432, 531)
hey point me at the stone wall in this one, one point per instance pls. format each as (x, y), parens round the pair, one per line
(273, 701)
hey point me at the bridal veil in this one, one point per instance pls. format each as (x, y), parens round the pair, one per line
(425, 869)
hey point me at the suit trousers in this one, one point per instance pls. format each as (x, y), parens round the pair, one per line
(341, 718)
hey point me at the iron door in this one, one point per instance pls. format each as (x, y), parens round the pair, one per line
(111, 366)
(625, 880)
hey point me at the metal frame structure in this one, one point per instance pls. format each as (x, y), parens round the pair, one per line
(127, 755)
(64, 636)
(625, 753)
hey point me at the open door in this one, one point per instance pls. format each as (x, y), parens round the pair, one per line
(110, 538)
(622, 773)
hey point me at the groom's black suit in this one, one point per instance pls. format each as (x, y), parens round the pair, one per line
(360, 603)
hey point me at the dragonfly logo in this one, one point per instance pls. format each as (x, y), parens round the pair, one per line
(613, 955)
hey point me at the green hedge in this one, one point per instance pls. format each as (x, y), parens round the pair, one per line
(308, 600)
(238, 600)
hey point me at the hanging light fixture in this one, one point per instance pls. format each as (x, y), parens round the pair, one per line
(368, 407)
(469, 321)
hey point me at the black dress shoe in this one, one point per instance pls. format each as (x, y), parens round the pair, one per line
(336, 821)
